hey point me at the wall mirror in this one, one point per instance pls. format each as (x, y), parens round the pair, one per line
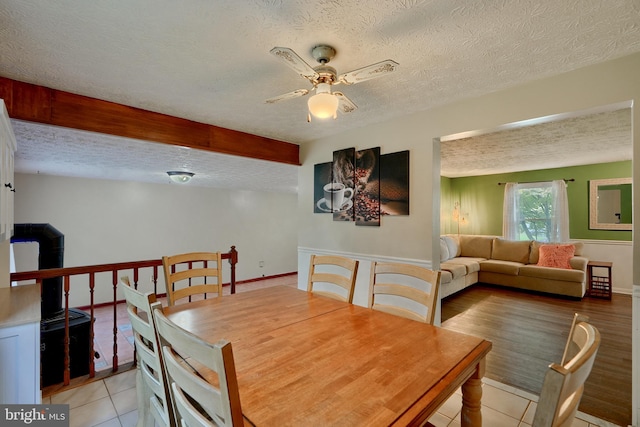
(610, 204)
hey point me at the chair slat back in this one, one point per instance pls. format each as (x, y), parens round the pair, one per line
(564, 384)
(218, 401)
(334, 275)
(384, 282)
(152, 389)
(193, 273)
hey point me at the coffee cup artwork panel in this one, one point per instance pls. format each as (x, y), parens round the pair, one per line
(336, 195)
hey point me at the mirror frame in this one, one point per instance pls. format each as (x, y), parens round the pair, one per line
(593, 204)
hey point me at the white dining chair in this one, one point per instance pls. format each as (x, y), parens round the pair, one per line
(194, 273)
(564, 383)
(197, 401)
(151, 387)
(332, 276)
(389, 293)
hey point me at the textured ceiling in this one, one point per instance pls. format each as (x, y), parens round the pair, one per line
(54, 150)
(557, 142)
(210, 61)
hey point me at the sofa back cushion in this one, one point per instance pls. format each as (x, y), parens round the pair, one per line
(476, 246)
(511, 250)
(444, 250)
(535, 250)
(452, 246)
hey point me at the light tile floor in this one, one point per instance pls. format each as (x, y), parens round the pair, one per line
(112, 402)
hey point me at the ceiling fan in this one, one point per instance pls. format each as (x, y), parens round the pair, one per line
(325, 103)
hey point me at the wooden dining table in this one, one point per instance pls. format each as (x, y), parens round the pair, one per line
(308, 360)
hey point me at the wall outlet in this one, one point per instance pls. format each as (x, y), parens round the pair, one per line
(261, 264)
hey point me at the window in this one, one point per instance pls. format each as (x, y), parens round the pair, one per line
(536, 211)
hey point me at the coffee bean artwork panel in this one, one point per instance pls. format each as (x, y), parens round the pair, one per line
(342, 184)
(367, 183)
(394, 183)
(321, 177)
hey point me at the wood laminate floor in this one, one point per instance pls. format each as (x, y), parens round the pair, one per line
(529, 331)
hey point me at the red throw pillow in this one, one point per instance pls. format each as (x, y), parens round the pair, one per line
(557, 256)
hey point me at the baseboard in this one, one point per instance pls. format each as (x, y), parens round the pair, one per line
(257, 279)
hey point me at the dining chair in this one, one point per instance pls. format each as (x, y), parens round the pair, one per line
(564, 383)
(197, 400)
(151, 387)
(194, 273)
(405, 290)
(332, 276)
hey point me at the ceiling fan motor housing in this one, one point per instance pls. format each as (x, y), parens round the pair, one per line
(323, 53)
(326, 74)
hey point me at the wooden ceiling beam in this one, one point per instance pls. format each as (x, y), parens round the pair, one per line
(29, 102)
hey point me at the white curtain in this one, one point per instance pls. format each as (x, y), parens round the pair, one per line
(510, 212)
(559, 230)
(560, 221)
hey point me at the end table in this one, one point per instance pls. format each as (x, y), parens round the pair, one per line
(599, 281)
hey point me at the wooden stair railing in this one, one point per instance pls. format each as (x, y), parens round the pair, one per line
(91, 270)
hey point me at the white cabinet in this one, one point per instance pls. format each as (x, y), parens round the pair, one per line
(7, 184)
(20, 345)
(20, 364)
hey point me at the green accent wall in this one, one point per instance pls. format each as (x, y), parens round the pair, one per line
(481, 199)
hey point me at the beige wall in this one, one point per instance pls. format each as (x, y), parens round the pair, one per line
(116, 221)
(4, 264)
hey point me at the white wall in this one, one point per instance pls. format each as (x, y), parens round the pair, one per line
(117, 221)
(411, 237)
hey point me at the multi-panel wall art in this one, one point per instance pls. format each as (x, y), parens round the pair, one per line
(362, 186)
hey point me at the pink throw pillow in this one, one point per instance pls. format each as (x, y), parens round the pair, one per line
(557, 256)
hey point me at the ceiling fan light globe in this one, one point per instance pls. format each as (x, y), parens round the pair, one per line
(323, 105)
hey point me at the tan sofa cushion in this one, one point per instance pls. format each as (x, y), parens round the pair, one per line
(476, 246)
(471, 264)
(511, 250)
(552, 273)
(534, 257)
(502, 267)
(445, 277)
(456, 270)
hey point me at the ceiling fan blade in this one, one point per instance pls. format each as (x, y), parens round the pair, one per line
(345, 104)
(369, 72)
(283, 97)
(294, 61)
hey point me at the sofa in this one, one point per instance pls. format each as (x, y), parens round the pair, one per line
(553, 268)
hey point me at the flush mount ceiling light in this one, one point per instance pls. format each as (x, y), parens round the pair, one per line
(180, 177)
(325, 103)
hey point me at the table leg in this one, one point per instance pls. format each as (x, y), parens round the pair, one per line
(471, 398)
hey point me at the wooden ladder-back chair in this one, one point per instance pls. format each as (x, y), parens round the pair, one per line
(198, 402)
(335, 275)
(564, 383)
(194, 273)
(388, 285)
(151, 387)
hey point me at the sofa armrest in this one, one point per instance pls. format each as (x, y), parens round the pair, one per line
(579, 263)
